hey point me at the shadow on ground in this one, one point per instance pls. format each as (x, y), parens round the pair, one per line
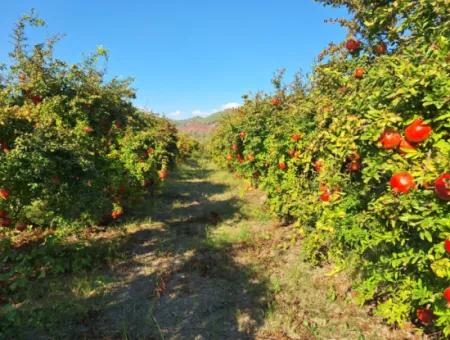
(173, 281)
(181, 286)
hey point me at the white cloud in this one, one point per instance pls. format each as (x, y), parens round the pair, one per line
(178, 114)
(175, 114)
(228, 106)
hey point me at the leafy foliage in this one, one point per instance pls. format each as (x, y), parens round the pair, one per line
(73, 146)
(315, 150)
(74, 152)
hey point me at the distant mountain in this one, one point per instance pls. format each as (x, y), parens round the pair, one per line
(200, 127)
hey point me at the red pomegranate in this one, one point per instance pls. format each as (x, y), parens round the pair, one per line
(390, 139)
(5, 221)
(296, 137)
(402, 182)
(425, 315)
(276, 101)
(380, 48)
(447, 295)
(282, 166)
(447, 245)
(4, 194)
(325, 195)
(417, 131)
(352, 45)
(359, 72)
(318, 165)
(442, 187)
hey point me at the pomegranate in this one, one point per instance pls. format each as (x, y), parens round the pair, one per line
(417, 131)
(352, 45)
(402, 182)
(359, 72)
(425, 315)
(442, 187)
(390, 139)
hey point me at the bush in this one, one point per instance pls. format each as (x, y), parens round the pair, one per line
(316, 150)
(74, 149)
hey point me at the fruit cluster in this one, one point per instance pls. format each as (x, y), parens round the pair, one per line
(358, 159)
(73, 149)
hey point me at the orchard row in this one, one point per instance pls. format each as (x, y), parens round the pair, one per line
(358, 158)
(74, 150)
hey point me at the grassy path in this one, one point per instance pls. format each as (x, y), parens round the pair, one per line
(209, 263)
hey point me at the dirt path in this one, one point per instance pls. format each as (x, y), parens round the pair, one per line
(211, 264)
(180, 278)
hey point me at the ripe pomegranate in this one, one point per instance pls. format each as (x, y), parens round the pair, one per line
(352, 45)
(325, 195)
(3, 214)
(5, 221)
(88, 130)
(359, 72)
(442, 187)
(229, 157)
(4, 147)
(354, 166)
(242, 134)
(402, 182)
(234, 147)
(380, 48)
(250, 157)
(318, 165)
(425, 315)
(117, 212)
(163, 174)
(282, 166)
(36, 99)
(447, 245)
(390, 139)
(22, 77)
(150, 150)
(447, 295)
(276, 101)
(20, 226)
(296, 137)
(417, 131)
(4, 194)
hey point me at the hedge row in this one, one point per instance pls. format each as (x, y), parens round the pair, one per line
(74, 150)
(358, 157)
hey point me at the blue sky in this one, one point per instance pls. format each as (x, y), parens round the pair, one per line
(186, 57)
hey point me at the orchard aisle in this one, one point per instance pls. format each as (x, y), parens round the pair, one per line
(212, 264)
